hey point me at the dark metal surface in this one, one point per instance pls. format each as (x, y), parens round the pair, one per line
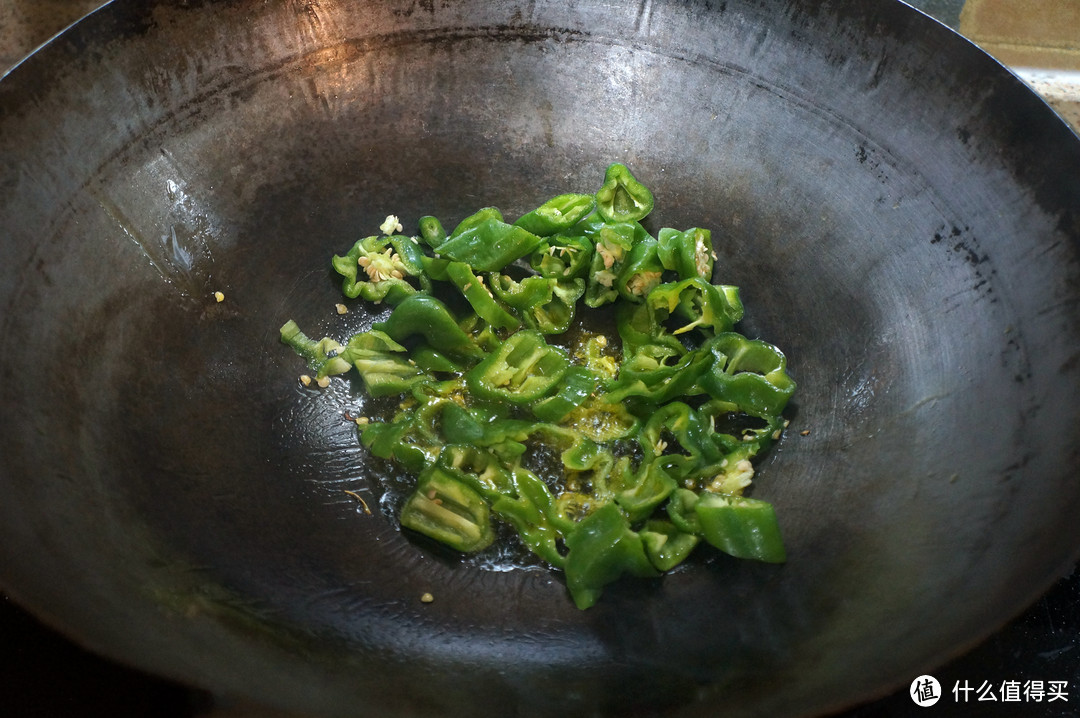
(902, 214)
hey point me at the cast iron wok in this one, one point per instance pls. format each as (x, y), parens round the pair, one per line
(902, 215)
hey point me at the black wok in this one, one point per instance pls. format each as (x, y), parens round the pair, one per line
(902, 214)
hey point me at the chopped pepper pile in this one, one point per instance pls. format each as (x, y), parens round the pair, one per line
(654, 434)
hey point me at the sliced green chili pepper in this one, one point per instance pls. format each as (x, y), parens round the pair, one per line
(374, 271)
(680, 509)
(613, 244)
(434, 362)
(640, 492)
(689, 253)
(602, 421)
(588, 227)
(529, 511)
(521, 295)
(594, 353)
(563, 257)
(557, 214)
(411, 257)
(622, 198)
(556, 315)
(428, 317)
(502, 438)
(366, 343)
(382, 364)
(524, 368)
(750, 373)
(459, 426)
(641, 272)
(578, 383)
(389, 440)
(734, 472)
(525, 429)
(431, 231)
(488, 244)
(476, 219)
(482, 334)
(435, 268)
(740, 526)
(588, 463)
(648, 376)
(322, 356)
(601, 549)
(676, 421)
(638, 329)
(487, 474)
(448, 511)
(480, 297)
(666, 545)
(694, 301)
(426, 420)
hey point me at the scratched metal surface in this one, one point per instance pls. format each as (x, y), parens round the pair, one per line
(188, 146)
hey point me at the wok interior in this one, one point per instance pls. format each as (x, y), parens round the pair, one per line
(177, 499)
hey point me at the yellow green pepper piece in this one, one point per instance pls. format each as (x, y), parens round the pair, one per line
(448, 511)
(374, 270)
(577, 385)
(622, 198)
(431, 231)
(563, 257)
(480, 297)
(749, 373)
(522, 369)
(323, 356)
(740, 526)
(545, 304)
(641, 272)
(529, 510)
(601, 549)
(688, 254)
(613, 243)
(695, 304)
(557, 214)
(426, 316)
(487, 244)
(382, 364)
(666, 545)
